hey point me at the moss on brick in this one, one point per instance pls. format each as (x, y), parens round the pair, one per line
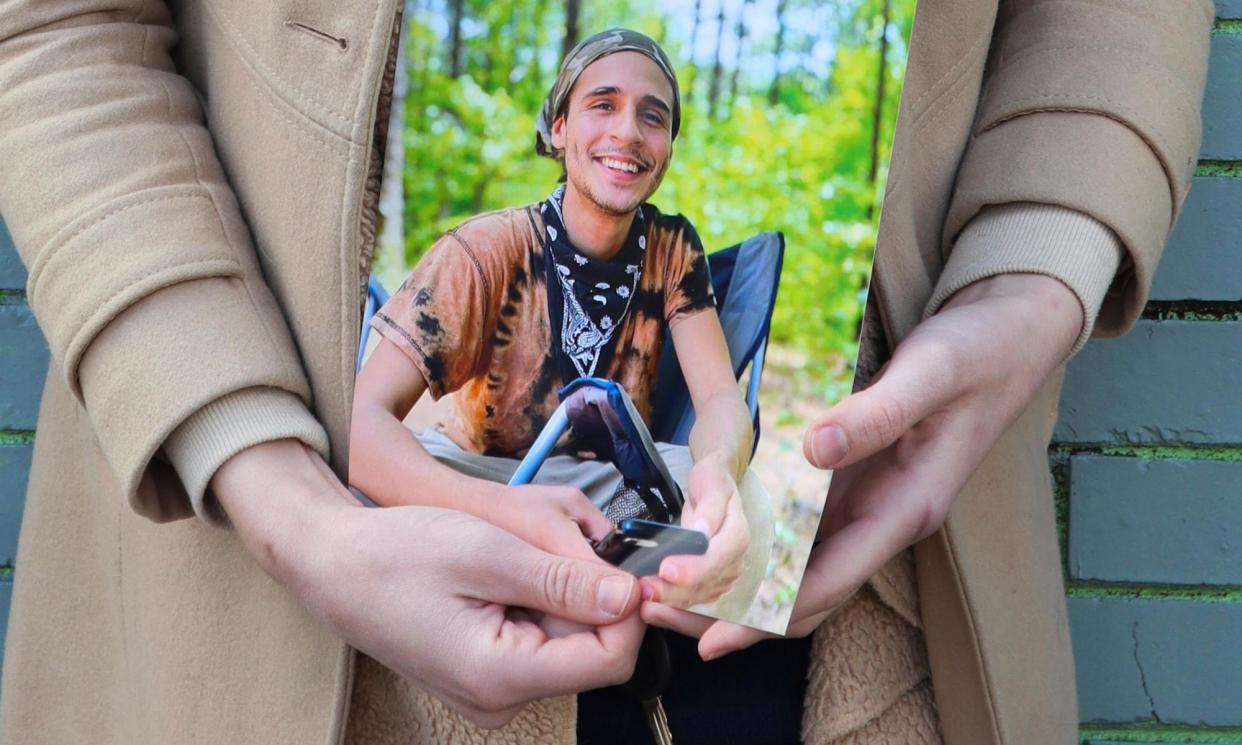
(1193, 310)
(16, 437)
(1227, 26)
(1229, 453)
(1219, 168)
(1134, 591)
(1058, 465)
(1160, 733)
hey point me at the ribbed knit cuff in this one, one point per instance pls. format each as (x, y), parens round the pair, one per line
(229, 425)
(1025, 237)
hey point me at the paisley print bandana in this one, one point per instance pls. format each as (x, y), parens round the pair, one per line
(594, 295)
(579, 58)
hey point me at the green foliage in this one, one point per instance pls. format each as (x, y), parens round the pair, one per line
(803, 166)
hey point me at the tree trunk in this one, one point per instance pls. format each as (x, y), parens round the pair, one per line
(571, 27)
(774, 91)
(511, 49)
(877, 111)
(694, 40)
(713, 93)
(456, 10)
(737, 60)
(541, 8)
(389, 262)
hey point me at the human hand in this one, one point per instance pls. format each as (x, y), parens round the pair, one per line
(438, 596)
(713, 507)
(908, 443)
(557, 519)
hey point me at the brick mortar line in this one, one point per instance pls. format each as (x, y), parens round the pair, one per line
(13, 437)
(1206, 594)
(1160, 733)
(1221, 452)
(1227, 26)
(1231, 168)
(1059, 468)
(1193, 310)
(13, 297)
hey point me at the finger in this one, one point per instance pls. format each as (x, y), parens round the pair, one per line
(570, 542)
(590, 518)
(724, 551)
(710, 490)
(578, 662)
(840, 483)
(675, 619)
(722, 637)
(512, 572)
(917, 382)
(845, 560)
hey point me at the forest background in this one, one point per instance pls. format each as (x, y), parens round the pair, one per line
(788, 112)
(788, 108)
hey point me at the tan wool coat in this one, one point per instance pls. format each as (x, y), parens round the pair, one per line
(188, 188)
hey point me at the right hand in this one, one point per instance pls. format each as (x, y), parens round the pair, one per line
(557, 519)
(435, 595)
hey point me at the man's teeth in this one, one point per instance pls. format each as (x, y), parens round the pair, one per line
(618, 165)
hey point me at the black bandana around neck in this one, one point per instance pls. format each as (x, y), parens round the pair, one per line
(587, 299)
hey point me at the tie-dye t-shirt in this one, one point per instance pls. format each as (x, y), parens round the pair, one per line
(473, 318)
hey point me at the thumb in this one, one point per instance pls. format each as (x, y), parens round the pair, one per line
(587, 592)
(912, 386)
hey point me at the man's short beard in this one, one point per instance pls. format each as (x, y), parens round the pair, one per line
(585, 189)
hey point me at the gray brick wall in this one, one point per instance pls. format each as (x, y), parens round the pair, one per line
(1203, 259)
(1184, 515)
(24, 356)
(1222, 106)
(1147, 457)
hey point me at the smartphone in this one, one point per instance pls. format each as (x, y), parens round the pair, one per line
(638, 546)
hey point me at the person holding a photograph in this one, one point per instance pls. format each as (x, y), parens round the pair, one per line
(157, 168)
(510, 306)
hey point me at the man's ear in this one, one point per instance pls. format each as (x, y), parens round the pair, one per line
(558, 132)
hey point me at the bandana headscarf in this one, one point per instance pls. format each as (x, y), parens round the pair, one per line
(587, 299)
(589, 50)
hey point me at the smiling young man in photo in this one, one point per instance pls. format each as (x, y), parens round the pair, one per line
(511, 305)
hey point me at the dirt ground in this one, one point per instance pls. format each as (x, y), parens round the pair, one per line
(786, 406)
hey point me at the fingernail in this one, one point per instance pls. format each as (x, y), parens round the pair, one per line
(709, 656)
(829, 446)
(669, 573)
(614, 595)
(648, 591)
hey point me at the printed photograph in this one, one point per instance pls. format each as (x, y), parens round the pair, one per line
(623, 260)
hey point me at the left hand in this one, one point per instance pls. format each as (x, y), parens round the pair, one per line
(713, 506)
(909, 442)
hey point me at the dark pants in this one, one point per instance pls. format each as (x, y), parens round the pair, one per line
(752, 697)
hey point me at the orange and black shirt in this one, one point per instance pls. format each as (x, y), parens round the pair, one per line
(473, 317)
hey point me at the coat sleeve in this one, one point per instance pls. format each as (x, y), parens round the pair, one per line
(1083, 147)
(142, 274)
